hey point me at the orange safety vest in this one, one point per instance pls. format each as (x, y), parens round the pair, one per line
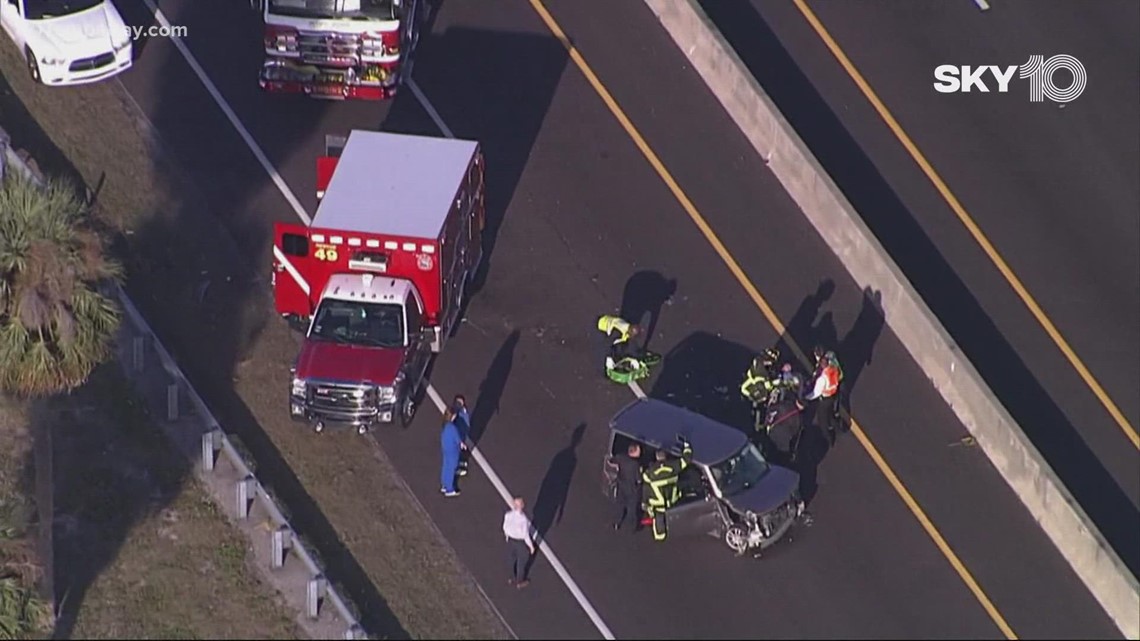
(832, 374)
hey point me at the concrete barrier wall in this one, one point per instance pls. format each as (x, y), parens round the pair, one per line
(923, 335)
(280, 555)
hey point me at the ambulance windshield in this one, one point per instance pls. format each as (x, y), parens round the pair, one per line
(358, 323)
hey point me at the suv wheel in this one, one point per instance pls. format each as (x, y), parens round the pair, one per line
(736, 538)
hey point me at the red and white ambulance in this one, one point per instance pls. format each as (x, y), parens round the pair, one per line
(339, 49)
(378, 279)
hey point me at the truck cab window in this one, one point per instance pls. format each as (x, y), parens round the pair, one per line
(356, 323)
(295, 245)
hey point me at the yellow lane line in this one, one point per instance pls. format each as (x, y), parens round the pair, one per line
(968, 221)
(766, 310)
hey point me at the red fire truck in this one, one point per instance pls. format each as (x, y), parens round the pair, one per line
(338, 49)
(377, 279)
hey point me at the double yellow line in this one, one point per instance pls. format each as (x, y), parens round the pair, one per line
(766, 310)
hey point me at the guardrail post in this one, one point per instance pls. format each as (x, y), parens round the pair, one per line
(282, 542)
(211, 444)
(246, 488)
(315, 595)
(138, 352)
(172, 402)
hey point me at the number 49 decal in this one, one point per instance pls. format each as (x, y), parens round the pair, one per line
(326, 254)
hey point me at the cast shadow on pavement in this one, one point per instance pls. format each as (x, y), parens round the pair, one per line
(920, 259)
(858, 345)
(703, 373)
(494, 87)
(645, 293)
(550, 503)
(491, 389)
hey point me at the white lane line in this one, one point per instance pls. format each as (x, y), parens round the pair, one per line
(432, 113)
(500, 487)
(636, 389)
(551, 557)
(304, 216)
(234, 120)
(982, 4)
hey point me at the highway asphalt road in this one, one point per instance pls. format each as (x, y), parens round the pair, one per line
(583, 219)
(1054, 189)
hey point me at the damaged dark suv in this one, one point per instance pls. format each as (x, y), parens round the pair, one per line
(729, 491)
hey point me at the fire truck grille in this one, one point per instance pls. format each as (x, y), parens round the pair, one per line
(329, 48)
(335, 397)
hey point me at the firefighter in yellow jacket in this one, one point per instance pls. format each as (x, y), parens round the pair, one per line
(617, 332)
(659, 485)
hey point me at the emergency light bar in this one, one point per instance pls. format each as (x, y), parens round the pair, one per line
(369, 261)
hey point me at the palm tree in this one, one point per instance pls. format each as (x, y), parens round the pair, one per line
(21, 611)
(55, 324)
(55, 327)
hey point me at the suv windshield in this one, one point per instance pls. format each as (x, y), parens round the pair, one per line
(740, 472)
(334, 9)
(368, 324)
(45, 9)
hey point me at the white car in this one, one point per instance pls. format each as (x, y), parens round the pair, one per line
(68, 42)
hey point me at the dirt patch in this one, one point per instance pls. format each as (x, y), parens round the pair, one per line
(154, 557)
(208, 298)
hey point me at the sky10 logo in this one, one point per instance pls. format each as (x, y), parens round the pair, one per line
(1039, 71)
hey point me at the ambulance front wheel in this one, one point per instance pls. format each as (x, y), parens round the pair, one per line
(407, 409)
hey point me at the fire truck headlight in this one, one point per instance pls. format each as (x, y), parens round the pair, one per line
(386, 394)
(298, 388)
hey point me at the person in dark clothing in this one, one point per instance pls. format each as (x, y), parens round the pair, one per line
(463, 422)
(629, 488)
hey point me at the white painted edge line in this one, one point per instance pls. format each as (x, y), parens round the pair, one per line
(225, 107)
(432, 113)
(542, 546)
(283, 187)
(982, 4)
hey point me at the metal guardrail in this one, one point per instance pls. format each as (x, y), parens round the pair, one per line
(247, 490)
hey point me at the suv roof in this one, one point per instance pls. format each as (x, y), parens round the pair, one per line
(657, 423)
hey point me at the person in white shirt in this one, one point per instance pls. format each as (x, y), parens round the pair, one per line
(520, 546)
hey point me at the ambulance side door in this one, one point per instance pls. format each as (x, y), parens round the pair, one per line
(292, 257)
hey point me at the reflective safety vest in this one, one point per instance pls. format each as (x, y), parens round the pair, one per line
(660, 481)
(752, 378)
(607, 324)
(833, 375)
